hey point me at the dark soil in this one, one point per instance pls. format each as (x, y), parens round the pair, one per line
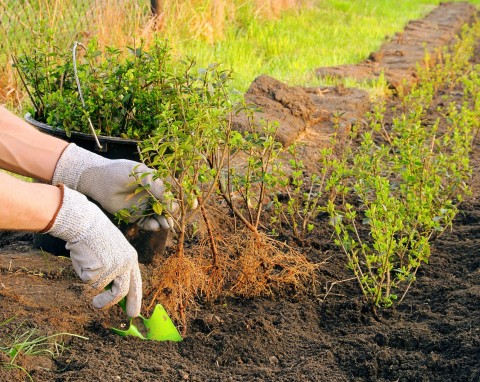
(330, 335)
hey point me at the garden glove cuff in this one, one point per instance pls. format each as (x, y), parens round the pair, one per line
(112, 183)
(99, 252)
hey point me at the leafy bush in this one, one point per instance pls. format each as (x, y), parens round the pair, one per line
(404, 184)
(124, 91)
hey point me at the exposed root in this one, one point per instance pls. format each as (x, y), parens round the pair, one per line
(216, 277)
(264, 266)
(239, 263)
(175, 285)
(213, 276)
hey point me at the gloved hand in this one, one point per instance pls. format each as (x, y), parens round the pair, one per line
(112, 184)
(99, 252)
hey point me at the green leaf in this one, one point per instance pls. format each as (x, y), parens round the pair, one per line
(157, 208)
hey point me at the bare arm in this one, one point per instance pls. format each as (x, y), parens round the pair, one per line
(25, 150)
(100, 253)
(26, 206)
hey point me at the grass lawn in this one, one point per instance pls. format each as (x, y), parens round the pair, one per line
(286, 45)
(289, 48)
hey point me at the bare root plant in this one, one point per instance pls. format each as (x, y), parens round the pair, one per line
(214, 249)
(264, 266)
(261, 263)
(187, 152)
(175, 283)
(198, 155)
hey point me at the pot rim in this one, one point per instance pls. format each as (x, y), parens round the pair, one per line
(31, 120)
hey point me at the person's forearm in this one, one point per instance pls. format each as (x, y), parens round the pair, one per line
(26, 151)
(27, 206)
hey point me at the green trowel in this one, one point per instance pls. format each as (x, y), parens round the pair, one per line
(159, 327)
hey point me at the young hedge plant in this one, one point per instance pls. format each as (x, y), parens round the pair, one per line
(406, 184)
(123, 90)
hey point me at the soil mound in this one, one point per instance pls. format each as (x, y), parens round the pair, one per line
(397, 59)
(311, 115)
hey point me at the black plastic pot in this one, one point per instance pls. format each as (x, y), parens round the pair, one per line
(148, 244)
(112, 147)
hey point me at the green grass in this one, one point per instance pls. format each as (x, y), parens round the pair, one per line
(289, 49)
(26, 342)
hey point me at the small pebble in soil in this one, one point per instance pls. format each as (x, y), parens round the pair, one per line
(185, 376)
(273, 360)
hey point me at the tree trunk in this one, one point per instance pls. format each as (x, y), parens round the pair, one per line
(156, 6)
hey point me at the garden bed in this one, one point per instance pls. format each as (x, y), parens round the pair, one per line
(324, 335)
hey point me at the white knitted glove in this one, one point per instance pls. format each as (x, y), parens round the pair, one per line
(100, 253)
(112, 184)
